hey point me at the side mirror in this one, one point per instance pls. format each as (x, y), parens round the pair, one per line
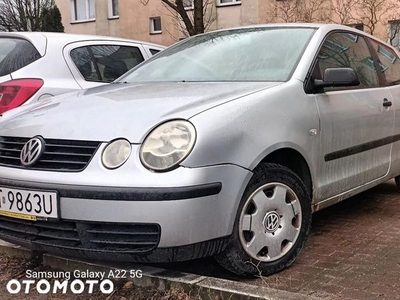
(337, 77)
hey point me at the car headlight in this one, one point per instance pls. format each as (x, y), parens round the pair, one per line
(168, 145)
(116, 153)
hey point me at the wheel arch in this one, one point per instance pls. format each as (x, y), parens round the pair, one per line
(292, 159)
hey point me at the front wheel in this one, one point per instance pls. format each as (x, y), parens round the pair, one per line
(397, 181)
(272, 223)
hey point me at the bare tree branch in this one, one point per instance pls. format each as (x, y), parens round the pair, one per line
(343, 11)
(299, 11)
(375, 11)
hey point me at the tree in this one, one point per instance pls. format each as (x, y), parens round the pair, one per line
(299, 11)
(343, 11)
(23, 15)
(285, 11)
(190, 22)
(51, 20)
(375, 11)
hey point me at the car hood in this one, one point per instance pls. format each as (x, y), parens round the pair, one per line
(120, 110)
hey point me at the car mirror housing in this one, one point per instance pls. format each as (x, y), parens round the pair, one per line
(337, 77)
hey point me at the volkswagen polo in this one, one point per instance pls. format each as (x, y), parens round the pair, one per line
(222, 145)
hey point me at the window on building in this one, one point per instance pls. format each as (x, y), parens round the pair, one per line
(359, 26)
(394, 33)
(83, 10)
(105, 63)
(188, 4)
(228, 2)
(113, 10)
(155, 25)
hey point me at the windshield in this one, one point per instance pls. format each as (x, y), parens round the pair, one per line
(248, 54)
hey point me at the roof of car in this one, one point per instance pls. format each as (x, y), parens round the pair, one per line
(325, 28)
(73, 37)
(306, 25)
(39, 39)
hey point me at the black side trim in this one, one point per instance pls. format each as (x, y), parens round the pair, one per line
(362, 147)
(121, 193)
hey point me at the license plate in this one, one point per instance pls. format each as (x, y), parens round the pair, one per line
(28, 204)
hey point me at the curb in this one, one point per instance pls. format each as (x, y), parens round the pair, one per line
(161, 279)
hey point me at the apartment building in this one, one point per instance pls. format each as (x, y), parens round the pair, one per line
(148, 20)
(152, 21)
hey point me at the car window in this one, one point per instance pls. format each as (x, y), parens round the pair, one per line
(16, 54)
(154, 51)
(105, 63)
(347, 50)
(248, 54)
(389, 62)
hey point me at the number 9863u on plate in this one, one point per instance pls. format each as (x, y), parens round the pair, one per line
(28, 204)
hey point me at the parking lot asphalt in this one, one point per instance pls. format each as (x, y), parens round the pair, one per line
(353, 251)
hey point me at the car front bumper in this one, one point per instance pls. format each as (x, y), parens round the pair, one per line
(186, 207)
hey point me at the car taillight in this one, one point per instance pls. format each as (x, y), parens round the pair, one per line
(16, 92)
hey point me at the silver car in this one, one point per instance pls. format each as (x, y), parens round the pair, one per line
(37, 65)
(222, 145)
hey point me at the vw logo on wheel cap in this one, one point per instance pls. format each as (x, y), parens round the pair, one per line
(271, 221)
(32, 151)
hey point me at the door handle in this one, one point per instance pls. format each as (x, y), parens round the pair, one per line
(386, 103)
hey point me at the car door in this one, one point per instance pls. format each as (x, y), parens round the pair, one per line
(356, 123)
(101, 62)
(390, 62)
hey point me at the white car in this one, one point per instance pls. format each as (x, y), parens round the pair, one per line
(36, 65)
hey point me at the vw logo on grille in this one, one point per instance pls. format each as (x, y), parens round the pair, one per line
(271, 221)
(32, 151)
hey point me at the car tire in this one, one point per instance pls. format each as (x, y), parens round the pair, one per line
(397, 181)
(272, 223)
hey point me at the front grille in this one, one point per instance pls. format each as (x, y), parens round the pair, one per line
(85, 236)
(58, 155)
